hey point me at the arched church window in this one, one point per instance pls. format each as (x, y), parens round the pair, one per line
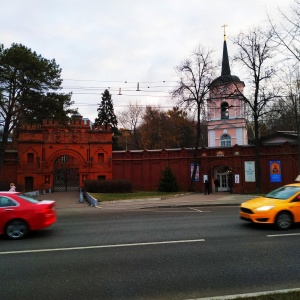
(224, 110)
(226, 140)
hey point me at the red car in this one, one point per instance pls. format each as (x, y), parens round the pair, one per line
(19, 214)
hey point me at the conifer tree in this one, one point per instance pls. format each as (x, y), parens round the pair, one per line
(106, 116)
(168, 181)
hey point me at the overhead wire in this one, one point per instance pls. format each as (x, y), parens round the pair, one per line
(149, 91)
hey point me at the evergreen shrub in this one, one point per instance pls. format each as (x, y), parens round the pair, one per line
(168, 181)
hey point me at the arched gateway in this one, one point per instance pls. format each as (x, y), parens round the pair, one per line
(66, 174)
(67, 166)
(53, 156)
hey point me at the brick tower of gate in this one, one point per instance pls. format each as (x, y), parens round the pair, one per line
(60, 157)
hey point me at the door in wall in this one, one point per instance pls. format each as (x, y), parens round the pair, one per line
(28, 184)
(66, 176)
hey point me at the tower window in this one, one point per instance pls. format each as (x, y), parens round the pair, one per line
(224, 110)
(30, 157)
(225, 140)
(100, 158)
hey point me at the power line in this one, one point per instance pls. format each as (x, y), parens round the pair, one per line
(129, 95)
(121, 106)
(114, 88)
(117, 81)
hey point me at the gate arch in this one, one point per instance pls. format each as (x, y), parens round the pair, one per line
(224, 176)
(66, 165)
(67, 152)
(220, 169)
(65, 174)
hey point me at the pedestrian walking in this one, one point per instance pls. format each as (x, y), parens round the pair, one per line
(206, 187)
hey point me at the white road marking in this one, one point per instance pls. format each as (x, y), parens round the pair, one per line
(175, 210)
(102, 246)
(283, 234)
(168, 211)
(199, 210)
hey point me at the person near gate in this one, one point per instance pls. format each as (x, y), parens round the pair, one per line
(12, 187)
(206, 187)
(217, 184)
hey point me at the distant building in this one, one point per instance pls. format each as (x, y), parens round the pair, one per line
(279, 137)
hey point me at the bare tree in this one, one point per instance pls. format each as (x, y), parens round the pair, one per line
(287, 32)
(130, 119)
(291, 89)
(287, 37)
(196, 75)
(256, 57)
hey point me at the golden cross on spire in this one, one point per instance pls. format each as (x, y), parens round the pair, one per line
(224, 31)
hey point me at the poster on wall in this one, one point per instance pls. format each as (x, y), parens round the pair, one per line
(249, 171)
(197, 178)
(275, 171)
(236, 178)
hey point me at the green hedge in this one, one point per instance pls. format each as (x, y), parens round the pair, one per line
(108, 186)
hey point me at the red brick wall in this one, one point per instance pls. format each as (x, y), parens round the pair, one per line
(143, 168)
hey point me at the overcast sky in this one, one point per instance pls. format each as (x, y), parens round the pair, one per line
(103, 44)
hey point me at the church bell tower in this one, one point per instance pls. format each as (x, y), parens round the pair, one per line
(226, 108)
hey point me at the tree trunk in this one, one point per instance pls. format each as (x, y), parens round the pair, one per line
(195, 156)
(2, 150)
(4, 141)
(298, 135)
(257, 156)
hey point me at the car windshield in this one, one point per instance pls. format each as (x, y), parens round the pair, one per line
(29, 199)
(284, 192)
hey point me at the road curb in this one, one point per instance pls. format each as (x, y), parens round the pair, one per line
(241, 296)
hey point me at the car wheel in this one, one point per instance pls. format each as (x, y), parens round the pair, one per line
(284, 220)
(16, 229)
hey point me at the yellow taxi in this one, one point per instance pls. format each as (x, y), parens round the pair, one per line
(280, 207)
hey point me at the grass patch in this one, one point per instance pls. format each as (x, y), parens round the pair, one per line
(101, 197)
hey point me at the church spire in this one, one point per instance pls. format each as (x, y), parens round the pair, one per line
(225, 60)
(226, 76)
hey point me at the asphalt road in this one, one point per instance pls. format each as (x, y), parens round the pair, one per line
(178, 253)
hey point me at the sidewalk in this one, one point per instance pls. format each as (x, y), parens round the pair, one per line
(182, 200)
(71, 200)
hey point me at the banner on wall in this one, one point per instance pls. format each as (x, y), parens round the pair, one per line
(249, 171)
(236, 178)
(275, 171)
(197, 176)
